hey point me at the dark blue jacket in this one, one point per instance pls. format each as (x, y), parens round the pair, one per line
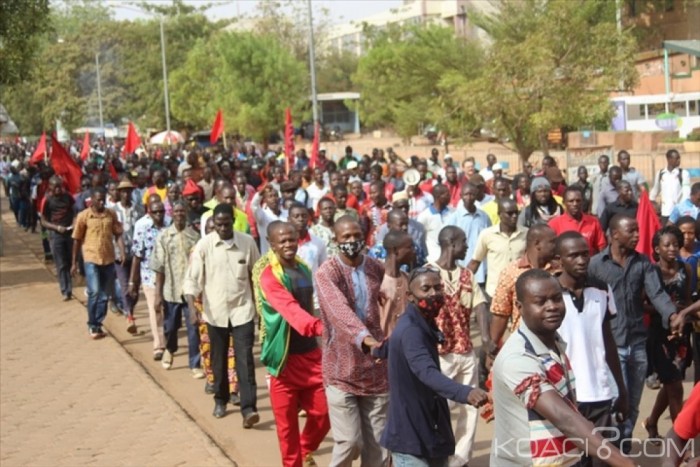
(418, 421)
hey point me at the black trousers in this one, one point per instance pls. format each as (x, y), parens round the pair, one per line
(243, 338)
(599, 414)
(62, 249)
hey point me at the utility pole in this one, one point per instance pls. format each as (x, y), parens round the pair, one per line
(99, 91)
(312, 66)
(165, 77)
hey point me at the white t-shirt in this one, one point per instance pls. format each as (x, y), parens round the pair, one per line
(316, 193)
(583, 333)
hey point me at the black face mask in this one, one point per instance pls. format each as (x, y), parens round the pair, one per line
(430, 307)
(352, 249)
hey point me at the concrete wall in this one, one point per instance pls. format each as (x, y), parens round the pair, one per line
(630, 140)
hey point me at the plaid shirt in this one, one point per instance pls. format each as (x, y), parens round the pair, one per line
(97, 231)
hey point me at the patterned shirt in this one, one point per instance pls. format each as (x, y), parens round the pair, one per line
(170, 257)
(128, 217)
(504, 299)
(524, 370)
(97, 231)
(462, 294)
(326, 234)
(345, 365)
(145, 234)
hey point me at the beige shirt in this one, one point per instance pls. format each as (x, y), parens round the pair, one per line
(498, 249)
(223, 274)
(393, 298)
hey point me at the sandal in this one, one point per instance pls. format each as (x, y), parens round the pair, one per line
(652, 432)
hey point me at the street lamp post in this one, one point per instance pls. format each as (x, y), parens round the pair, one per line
(99, 91)
(165, 78)
(312, 66)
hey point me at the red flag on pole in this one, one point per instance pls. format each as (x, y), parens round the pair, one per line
(218, 128)
(64, 166)
(648, 225)
(314, 146)
(112, 171)
(40, 150)
(85, 151)
(289, 139)
(132, 140)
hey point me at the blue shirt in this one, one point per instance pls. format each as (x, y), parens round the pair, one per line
(472, 224)
(684, 208)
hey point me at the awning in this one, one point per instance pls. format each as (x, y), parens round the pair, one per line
(691, 47)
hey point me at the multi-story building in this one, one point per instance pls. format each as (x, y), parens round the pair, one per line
(451, 13)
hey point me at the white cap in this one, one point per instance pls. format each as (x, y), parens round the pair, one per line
(351, 165)
(497, 166)
(448, 156)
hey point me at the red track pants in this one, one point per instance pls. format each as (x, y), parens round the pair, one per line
(300, 384)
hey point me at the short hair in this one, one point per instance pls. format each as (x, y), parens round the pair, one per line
(503, 202)
(617, 220)
(685, 220)
(395, 213)
(695, 189)
(55, 180)
(440, 188)
(276, 225)
(468, 185)
(604, 157)
(448, 234)
(573, 189)
(566, 236)
(346, 219)
(296, 205)
(394, 238)
(178, 203)
(98, 190)
(671, 153)
(223, 209)
(549, 160)
(527, 277)
(535, 232)
(615, 168)
(326, 199)
(622, 183)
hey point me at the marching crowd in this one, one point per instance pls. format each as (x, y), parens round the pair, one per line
(361, 277)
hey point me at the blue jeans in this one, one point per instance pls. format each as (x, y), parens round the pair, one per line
(172, 320)
(633, 361)
(100, 286)
(407, 460)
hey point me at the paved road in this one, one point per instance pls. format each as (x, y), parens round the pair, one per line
(68, 400)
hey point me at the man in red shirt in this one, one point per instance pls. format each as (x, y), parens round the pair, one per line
(574, 219)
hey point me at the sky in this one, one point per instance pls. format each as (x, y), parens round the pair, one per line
(340, 11)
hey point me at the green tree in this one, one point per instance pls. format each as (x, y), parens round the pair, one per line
(404, 78)
(22, 25)
(250, 77)
(551, 64)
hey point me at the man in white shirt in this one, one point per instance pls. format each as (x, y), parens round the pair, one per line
(221, 267)
(591, 347)
(311, 248)
(264, 215)
(672, 183)
(434, 219)
(318, 189)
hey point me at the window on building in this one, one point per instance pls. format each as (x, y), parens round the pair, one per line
(635, 112)
(654, 110)
(693, 108)
(678, 108)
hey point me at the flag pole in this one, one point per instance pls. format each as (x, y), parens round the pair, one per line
(223, 135)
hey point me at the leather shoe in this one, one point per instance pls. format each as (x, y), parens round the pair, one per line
(219, 410)
(235, 399)
(250, 420)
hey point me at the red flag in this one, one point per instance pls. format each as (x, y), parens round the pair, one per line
(648, 224)
(64, 166)
(85, 151)
(314, 146)
(112, 170)
(132, 140)
(40, 150)
(218, 128)
(289, 139)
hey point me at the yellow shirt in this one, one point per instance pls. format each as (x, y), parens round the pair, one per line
(498, 249)
(162, 192)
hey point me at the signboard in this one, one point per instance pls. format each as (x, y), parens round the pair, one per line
(668, 121)
(586, 156)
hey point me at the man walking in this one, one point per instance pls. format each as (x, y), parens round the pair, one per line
(590, 344)
(57, 216)
(631, 276)
(221, 267)
(95, 230)
(671, 184)
(146, 231)
(435, 218)
(574, 219)
(284, 295)
(458, 361)
(356, 385)
(393, 296)
(128, 214)
(311, 248)
(169, 262)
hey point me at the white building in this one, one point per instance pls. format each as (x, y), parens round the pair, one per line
(449, 13)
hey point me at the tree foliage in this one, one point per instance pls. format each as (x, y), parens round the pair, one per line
(551, 64)
(22, 25)
(252, 78)
(403, 78)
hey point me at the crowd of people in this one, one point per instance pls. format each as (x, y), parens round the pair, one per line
(361, 277)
